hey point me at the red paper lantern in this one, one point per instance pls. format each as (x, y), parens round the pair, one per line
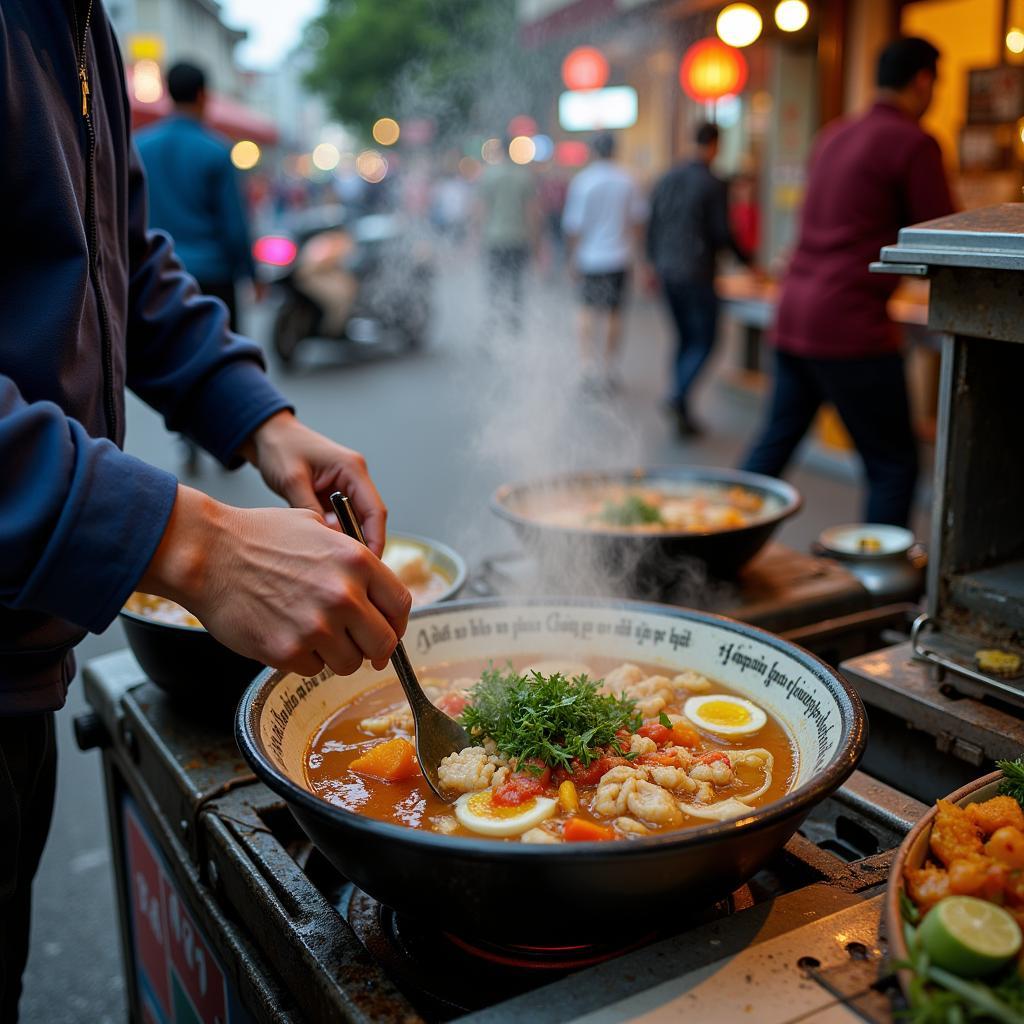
(586, 67)
(710, 70)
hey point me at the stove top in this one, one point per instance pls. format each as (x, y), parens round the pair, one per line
(800, 938)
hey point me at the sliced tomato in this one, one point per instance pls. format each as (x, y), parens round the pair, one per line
(592, 773)
(655, 731)
(453, 704)
(516, 790)
(579, 830)
(685, 735)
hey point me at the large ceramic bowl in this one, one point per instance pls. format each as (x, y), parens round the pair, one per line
(580, 891)
(647, 562)
(912, 854)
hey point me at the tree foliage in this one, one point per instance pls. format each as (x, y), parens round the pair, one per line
(453, 61)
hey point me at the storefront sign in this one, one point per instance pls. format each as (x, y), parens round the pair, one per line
(995, 95)
(596, 109)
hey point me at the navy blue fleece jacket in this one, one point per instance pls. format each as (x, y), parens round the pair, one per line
(90, 302)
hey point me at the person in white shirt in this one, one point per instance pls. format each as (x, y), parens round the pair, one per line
(604, 215)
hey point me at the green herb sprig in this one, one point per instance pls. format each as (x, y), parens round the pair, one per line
(553, 719)
(631, 511)
(1013, 783)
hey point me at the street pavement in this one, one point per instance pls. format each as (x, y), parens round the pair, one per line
(441, 428)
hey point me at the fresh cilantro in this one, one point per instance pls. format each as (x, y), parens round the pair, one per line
(552, 719)
(665, 720)
(1013, 779)
(631, 511)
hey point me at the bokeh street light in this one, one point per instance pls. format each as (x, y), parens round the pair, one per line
(326, 156)
(738, 25)
(371, 166)
(147, 82)
(386, 131)
(521, 150)
(586, 67)
(490, 151)
(245, 155)
(1015, 40)
(792, 15)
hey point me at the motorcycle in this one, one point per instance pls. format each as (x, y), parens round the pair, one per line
(350, 277)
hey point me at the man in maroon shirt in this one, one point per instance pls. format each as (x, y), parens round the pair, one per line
(869, 177)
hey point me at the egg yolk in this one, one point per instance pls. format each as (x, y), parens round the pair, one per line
(724, 712)
(482, 806)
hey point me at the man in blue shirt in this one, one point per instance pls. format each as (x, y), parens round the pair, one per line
(194, 191)
(92, 302)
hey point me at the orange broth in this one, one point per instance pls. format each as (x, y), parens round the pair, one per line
(340, 740)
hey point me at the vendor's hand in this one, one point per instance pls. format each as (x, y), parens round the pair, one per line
(305, 468)
(279, 586)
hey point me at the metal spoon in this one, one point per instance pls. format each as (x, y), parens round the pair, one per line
(437, 735)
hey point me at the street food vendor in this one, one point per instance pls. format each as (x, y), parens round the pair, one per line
(869, 177)
(92, 303)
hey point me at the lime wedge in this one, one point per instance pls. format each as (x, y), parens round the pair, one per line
(969, 937)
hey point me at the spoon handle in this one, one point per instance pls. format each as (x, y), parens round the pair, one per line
(349, 522)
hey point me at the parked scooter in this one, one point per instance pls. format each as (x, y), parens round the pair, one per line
(348, 277)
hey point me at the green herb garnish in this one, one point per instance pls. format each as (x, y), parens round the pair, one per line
(1013, 783)
(665, 720)
(631, 511)
(548, 718)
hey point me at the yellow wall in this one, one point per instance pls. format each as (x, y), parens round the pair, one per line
(967, 32)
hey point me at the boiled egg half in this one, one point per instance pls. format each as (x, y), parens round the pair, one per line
(478, 813)
(725, 715)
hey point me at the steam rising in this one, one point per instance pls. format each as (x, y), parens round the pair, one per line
(535, 418)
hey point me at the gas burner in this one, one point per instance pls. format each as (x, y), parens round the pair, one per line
(547, 958)
(445, 974)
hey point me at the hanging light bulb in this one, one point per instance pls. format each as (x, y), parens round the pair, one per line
(792, 15)
(738, 25)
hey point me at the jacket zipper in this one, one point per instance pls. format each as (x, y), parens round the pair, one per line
(92, 226)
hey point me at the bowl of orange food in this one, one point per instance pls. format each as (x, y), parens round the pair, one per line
(629, 761)
(955, 904)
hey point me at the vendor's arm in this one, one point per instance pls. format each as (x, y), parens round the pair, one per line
(207, 382)
(210, 383)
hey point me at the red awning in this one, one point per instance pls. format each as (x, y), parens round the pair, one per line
(223, 114)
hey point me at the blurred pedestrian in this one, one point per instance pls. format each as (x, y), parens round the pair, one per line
(195, 196)
(94, 302)
(508, 220)
(869, 177)
(689, 227)
(194, 191)
(604, 214)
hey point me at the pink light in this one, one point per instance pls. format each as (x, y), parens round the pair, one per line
(274, 250)
(571, 154)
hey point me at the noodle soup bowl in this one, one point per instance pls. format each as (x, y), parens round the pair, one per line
(570, 892)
